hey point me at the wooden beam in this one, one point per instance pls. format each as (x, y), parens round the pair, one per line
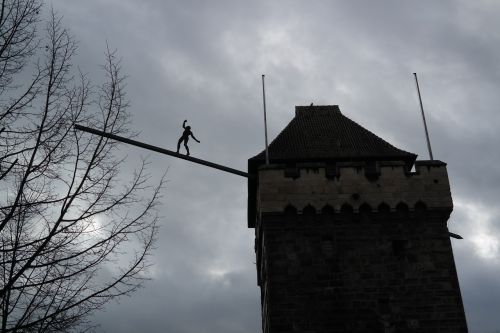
(161, 150)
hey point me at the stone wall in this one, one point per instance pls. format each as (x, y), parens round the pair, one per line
(391, 184)
(347, 251)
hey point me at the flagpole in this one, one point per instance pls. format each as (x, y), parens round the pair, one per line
(423, 118)
(265, 119)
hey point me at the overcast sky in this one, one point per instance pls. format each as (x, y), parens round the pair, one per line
(203, 60)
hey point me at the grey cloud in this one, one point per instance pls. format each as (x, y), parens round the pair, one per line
(202, 61)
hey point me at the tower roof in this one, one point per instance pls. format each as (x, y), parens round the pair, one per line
(320, 133)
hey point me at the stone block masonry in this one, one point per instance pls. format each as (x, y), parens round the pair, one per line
(392, 185)
(352, 248)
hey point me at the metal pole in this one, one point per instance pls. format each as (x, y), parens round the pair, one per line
(423, 117)
(265, 120)
(162, 150)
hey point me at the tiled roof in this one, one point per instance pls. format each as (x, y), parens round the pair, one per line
(324, 133)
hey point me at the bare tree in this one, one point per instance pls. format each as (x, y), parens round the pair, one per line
(73, 233)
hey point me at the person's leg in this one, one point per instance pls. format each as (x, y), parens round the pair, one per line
(179, 144)
(187, 148)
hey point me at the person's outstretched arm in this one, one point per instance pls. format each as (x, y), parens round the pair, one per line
(184, 124)
(195, 139)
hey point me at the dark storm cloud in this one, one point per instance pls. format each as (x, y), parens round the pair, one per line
(202, 60)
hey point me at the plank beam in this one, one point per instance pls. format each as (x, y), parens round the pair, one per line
(161, 150)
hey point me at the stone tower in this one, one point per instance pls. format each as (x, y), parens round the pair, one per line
(347, 239)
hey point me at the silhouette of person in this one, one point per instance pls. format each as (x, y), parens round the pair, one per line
(185, 137)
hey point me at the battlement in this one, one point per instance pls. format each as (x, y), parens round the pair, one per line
(354, 185)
